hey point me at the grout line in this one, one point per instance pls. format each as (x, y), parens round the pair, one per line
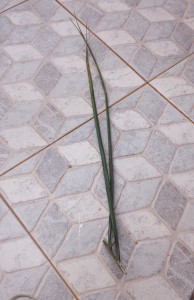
(99, 39)
(70, 131)
(118, 101)
(13, 6)
(169, 101)
(36, 243)
(144, 79)
(44, 148)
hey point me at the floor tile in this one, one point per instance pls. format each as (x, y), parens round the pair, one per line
(7, 4)
(60, 196)
(154, 288)
(150, 35)
(23, 268)
(44, 90)
(177, 85)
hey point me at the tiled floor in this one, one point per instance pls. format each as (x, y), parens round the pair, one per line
(53, 211)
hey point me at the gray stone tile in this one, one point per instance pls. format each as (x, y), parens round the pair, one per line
(64, 87)
(5, 103)
(184, 159)
(51, 169)
(185, 103)
(23, 34)
(176, 7)
(137, 195)
(51, 229)
(133, 2)
(25, 167)
(4, 153)
(137, 25)
(6, 28)
(148, 259)
(164, 63)
(178, 86)
(43, 27)
(190, 11)
(183, 35)
(187, 223)
(152, 105)
(148, 289)
(21, 71)
(99, 92)
(49, 121)
(20, 114)
(103, 126)
(67, 45)
(5, 62)
(54, 287)
(22, 281)
(82, 239)
(109, 294)
(30, 213)
(181, 269)
(161, 30)
(46, 40)
(10, 228)
(3, 209)
(80, 134)
(170, 204)
(160, 151)
(100, 190)
(189, 70)
(131, 142)
(47, 78)
(91, 15)
(77, 180)
(45, 8)
(126, 248)
(158, 22)
(144, 62)
(171, 115)
(113, 20)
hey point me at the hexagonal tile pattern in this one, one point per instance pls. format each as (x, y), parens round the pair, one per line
(149, 36)
(44, 91)
(60, 196)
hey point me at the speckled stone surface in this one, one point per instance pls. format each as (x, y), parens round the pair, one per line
(44, 92)
(51, 236)
(60, 197)
(149, 35)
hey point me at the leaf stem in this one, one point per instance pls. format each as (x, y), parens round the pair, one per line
(108, 170)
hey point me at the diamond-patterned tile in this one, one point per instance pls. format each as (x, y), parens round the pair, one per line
(20, 189)
(23, 267)
(60, 196)
(178, 86)
(144, 225)
(51, 169)
(181, 269)
(52, 229)
(87, 273)
(6, 4)
(7, 27)
(159, 33)
(148, 259)
(151, 289)
(42, 60)
(170, 204)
